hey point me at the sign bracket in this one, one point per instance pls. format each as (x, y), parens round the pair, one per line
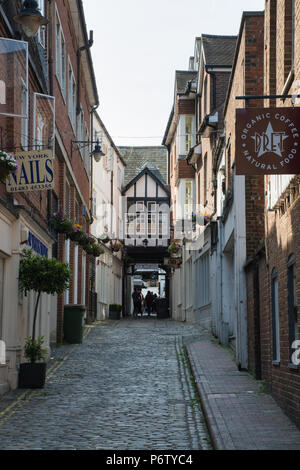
(266, 97)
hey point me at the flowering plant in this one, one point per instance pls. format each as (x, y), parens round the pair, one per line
(87, 240)
(78, 234)
(61, 224)
(174, 247)
(8, 164)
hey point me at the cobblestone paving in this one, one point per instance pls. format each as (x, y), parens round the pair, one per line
(126, 387)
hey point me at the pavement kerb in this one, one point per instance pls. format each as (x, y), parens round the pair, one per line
(216, 438)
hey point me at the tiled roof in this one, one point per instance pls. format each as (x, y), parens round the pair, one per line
(219, 50)
(182, 78)
(138, 158)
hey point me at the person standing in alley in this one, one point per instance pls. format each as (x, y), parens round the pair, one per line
(136, 297)
(149, 301)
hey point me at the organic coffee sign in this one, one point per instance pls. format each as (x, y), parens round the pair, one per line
(35, 172)
(267, 141)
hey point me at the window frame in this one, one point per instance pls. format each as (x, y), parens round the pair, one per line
(275, 316)
(60, 46)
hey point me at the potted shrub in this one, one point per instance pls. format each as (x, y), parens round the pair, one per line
(8, 164)
(115, 311)
(175, 250)
(39, 274)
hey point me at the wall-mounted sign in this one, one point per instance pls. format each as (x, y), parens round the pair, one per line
(36, 172)
(267, 141)
(37, 245)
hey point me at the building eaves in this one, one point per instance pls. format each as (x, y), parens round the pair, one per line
(218, 50)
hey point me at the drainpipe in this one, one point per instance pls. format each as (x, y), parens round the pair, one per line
(82, 48)
(50, 58)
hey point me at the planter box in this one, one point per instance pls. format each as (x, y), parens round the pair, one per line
(32, 375)
(114, 315)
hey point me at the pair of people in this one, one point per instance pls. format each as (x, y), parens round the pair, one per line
(150, 301)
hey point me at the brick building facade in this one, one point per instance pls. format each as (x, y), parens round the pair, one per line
(278, 264)
(60, 80)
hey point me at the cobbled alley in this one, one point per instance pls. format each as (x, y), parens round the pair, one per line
(128, 386)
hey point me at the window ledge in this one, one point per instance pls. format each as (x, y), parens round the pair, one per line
(276, 363)
(293, 366)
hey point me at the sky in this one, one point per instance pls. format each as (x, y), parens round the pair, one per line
(138, 45)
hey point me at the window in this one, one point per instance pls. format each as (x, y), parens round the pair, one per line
(188, 133)
(202, 281)
(275, 317)
(188, 203)
(67, 260)
(60, 55)
(80, 127)
(72, 97)
(41, 35)
(67, 200)
(199, 189)
(206, 181)
(141, 224)
(3, 92)
(292, 304)
(24, 121)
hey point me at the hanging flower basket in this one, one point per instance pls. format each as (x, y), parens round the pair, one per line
(98, 250)
(61, 224)
(175, 250)
(116, 245)
(78, 234)
(87, 240)
(104, 238)
(8, 164)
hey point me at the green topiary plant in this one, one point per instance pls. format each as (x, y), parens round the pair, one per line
(41, 274)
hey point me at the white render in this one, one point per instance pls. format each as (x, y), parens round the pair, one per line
(108, 178)
(16, 311)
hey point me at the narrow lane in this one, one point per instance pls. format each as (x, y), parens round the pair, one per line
(126, 387)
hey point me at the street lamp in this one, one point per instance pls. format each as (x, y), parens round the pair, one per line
(97, 153)
(30, 18)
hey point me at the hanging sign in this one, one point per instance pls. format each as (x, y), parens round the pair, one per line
(267, 141)
(35, 173)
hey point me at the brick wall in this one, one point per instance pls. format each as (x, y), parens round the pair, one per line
(186, 106)
(282, 233)
(249, 80)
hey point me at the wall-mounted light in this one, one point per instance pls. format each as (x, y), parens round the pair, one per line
(30, 18)
(97, 153)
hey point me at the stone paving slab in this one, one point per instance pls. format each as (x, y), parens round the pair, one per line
(238, 414)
